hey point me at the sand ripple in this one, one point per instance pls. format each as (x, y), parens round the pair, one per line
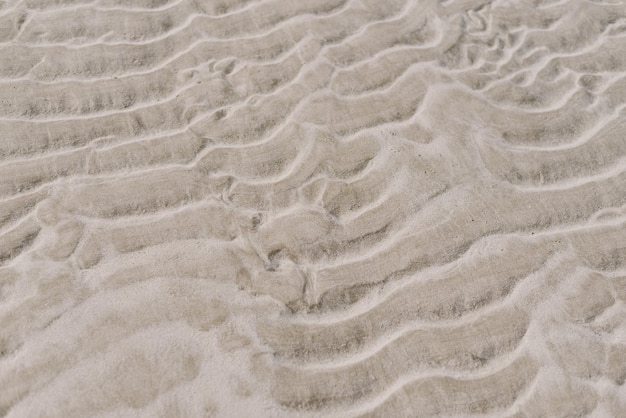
(312, 208)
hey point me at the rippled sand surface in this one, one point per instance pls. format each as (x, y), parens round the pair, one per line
(280, 208)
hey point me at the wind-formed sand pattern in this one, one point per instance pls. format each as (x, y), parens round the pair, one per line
(280, 208)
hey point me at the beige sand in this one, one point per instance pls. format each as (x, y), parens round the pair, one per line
(278, 208)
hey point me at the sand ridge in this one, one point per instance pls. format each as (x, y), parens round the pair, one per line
(319, 208)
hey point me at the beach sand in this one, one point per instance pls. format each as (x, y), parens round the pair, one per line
(321, 208)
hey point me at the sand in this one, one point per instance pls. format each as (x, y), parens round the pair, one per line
(321, 208)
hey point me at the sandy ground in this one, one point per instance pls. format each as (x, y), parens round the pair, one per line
(244, 208)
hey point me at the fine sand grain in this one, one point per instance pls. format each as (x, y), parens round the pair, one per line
(312, 208)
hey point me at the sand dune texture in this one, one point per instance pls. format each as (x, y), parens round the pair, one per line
(279, 208)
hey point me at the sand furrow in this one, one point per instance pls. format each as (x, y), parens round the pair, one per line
(446, 395)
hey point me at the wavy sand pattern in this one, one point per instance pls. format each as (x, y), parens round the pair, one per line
(312, 208)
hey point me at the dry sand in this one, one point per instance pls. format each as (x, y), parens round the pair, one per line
(244, 208)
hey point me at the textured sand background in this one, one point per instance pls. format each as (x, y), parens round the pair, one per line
(243, 208)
